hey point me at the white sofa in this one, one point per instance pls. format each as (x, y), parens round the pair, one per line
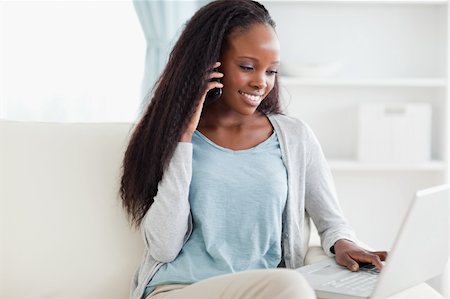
(63, 233)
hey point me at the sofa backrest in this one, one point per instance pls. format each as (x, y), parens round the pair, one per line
(63, 232)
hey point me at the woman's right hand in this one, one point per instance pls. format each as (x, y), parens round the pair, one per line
(193, 123)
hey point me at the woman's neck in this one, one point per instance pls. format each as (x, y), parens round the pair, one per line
(217, 116)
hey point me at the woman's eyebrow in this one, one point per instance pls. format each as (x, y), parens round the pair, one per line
(256, 59)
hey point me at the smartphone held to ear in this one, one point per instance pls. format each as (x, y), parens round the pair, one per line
(215, 93)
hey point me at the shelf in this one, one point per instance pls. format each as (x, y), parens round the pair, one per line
(408, 2)
(358, 82)
(353, 165)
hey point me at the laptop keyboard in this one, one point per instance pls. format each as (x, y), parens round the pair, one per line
(361, 281)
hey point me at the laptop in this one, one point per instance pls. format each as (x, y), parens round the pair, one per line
(420, 252)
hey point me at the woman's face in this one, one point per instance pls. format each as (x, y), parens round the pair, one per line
(249, 65)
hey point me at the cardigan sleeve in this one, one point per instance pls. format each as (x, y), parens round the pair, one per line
(321, 201)
(165, 224)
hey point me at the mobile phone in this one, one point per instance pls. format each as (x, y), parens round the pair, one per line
(215, 93)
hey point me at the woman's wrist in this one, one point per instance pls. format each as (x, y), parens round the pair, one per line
(340, 243)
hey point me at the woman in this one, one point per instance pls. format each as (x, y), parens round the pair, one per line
(223, 189)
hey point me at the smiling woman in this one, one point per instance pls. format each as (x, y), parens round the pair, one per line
(223, 190)
(60, 63)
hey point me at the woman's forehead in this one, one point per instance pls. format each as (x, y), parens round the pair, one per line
(259, 39)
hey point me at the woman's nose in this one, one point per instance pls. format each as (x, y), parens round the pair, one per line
(259, 82)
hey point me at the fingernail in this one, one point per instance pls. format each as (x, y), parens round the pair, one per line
(354, 268)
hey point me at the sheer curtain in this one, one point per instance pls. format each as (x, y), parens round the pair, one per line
(162, 22)
(70, 61)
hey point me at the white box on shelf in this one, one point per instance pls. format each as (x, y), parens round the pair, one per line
(394, 132)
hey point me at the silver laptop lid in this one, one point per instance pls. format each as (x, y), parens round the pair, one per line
(420, 250)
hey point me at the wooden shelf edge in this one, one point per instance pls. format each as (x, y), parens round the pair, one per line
(353, 165)
(387, 2)
(369, 82)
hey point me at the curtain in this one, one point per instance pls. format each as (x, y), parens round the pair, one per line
(162, 22)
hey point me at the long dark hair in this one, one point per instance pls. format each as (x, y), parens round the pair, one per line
(177, 93)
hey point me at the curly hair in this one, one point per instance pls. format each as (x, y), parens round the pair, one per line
(176, 94)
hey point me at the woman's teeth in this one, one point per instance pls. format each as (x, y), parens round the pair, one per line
(250, 96)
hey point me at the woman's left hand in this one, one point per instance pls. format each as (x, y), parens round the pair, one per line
(348, 254)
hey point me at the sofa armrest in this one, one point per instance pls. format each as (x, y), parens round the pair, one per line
(314, 254)
(315, 251)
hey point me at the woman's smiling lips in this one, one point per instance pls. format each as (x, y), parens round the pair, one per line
(251, 99)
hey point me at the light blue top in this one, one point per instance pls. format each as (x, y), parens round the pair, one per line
(237, 200)
(168, 225)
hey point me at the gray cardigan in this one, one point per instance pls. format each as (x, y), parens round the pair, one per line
(311, 193)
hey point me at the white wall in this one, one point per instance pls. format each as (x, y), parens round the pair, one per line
(80, 61)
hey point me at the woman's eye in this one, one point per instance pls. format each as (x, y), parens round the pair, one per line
(246, 67)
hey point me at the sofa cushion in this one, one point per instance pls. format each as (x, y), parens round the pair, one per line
(63, 233)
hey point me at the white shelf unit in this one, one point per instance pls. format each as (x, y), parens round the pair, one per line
(391, 51)
(435, 84)
(356, 82)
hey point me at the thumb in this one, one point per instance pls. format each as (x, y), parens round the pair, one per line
(350, 263)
